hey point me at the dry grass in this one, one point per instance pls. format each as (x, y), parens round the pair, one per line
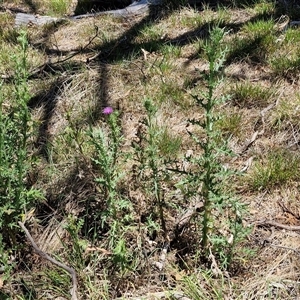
(132, 64)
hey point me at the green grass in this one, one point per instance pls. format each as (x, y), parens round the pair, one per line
(286, 114)
(170, 51)
(58, 7)
(168, 143)
(277, 168)
(286, 67)
(286, 63)
(255, 42)
(203, 287)
(151, 33)
(265, 8)
(248, 94)
(171, 93)
(230, 124)
(220, 16)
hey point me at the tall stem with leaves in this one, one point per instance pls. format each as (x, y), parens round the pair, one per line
(16, 198)
(212, 176)
(108, 153)
(153, 154)
(107, 148)
(151, 163)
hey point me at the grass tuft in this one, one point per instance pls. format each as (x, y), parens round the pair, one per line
(249, 95)
(278, 168)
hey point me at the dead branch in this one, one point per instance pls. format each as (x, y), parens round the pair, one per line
(248, 143)
(288, 210)
(276, 224)
(71, 271)
(285, 247)
(186, 217)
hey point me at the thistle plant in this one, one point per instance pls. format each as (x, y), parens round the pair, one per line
(107, 144)
(16, 197)
(15, 123)
(151, 164)
(211, 175)
(107, 147)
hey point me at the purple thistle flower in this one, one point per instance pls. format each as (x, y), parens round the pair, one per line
(107, 110)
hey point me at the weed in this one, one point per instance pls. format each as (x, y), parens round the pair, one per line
(152, 155)
(16, 197)
(107, 176)
(114, 243)
(106, 161)
(151, 163)
(211, 178)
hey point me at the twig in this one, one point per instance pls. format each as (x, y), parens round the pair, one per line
(248, 143)
(71, 271)
(279, 225)
(286, 209)
(186, 217)
(285, 247)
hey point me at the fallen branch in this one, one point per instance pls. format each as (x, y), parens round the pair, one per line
(186, 217)
(71, 271)
(288, 210)
(276, 224)
(285, 247)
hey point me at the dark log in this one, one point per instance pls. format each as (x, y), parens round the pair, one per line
(134, 9)
(84, 6)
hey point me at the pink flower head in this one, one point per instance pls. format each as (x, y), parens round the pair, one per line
(107, 110)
